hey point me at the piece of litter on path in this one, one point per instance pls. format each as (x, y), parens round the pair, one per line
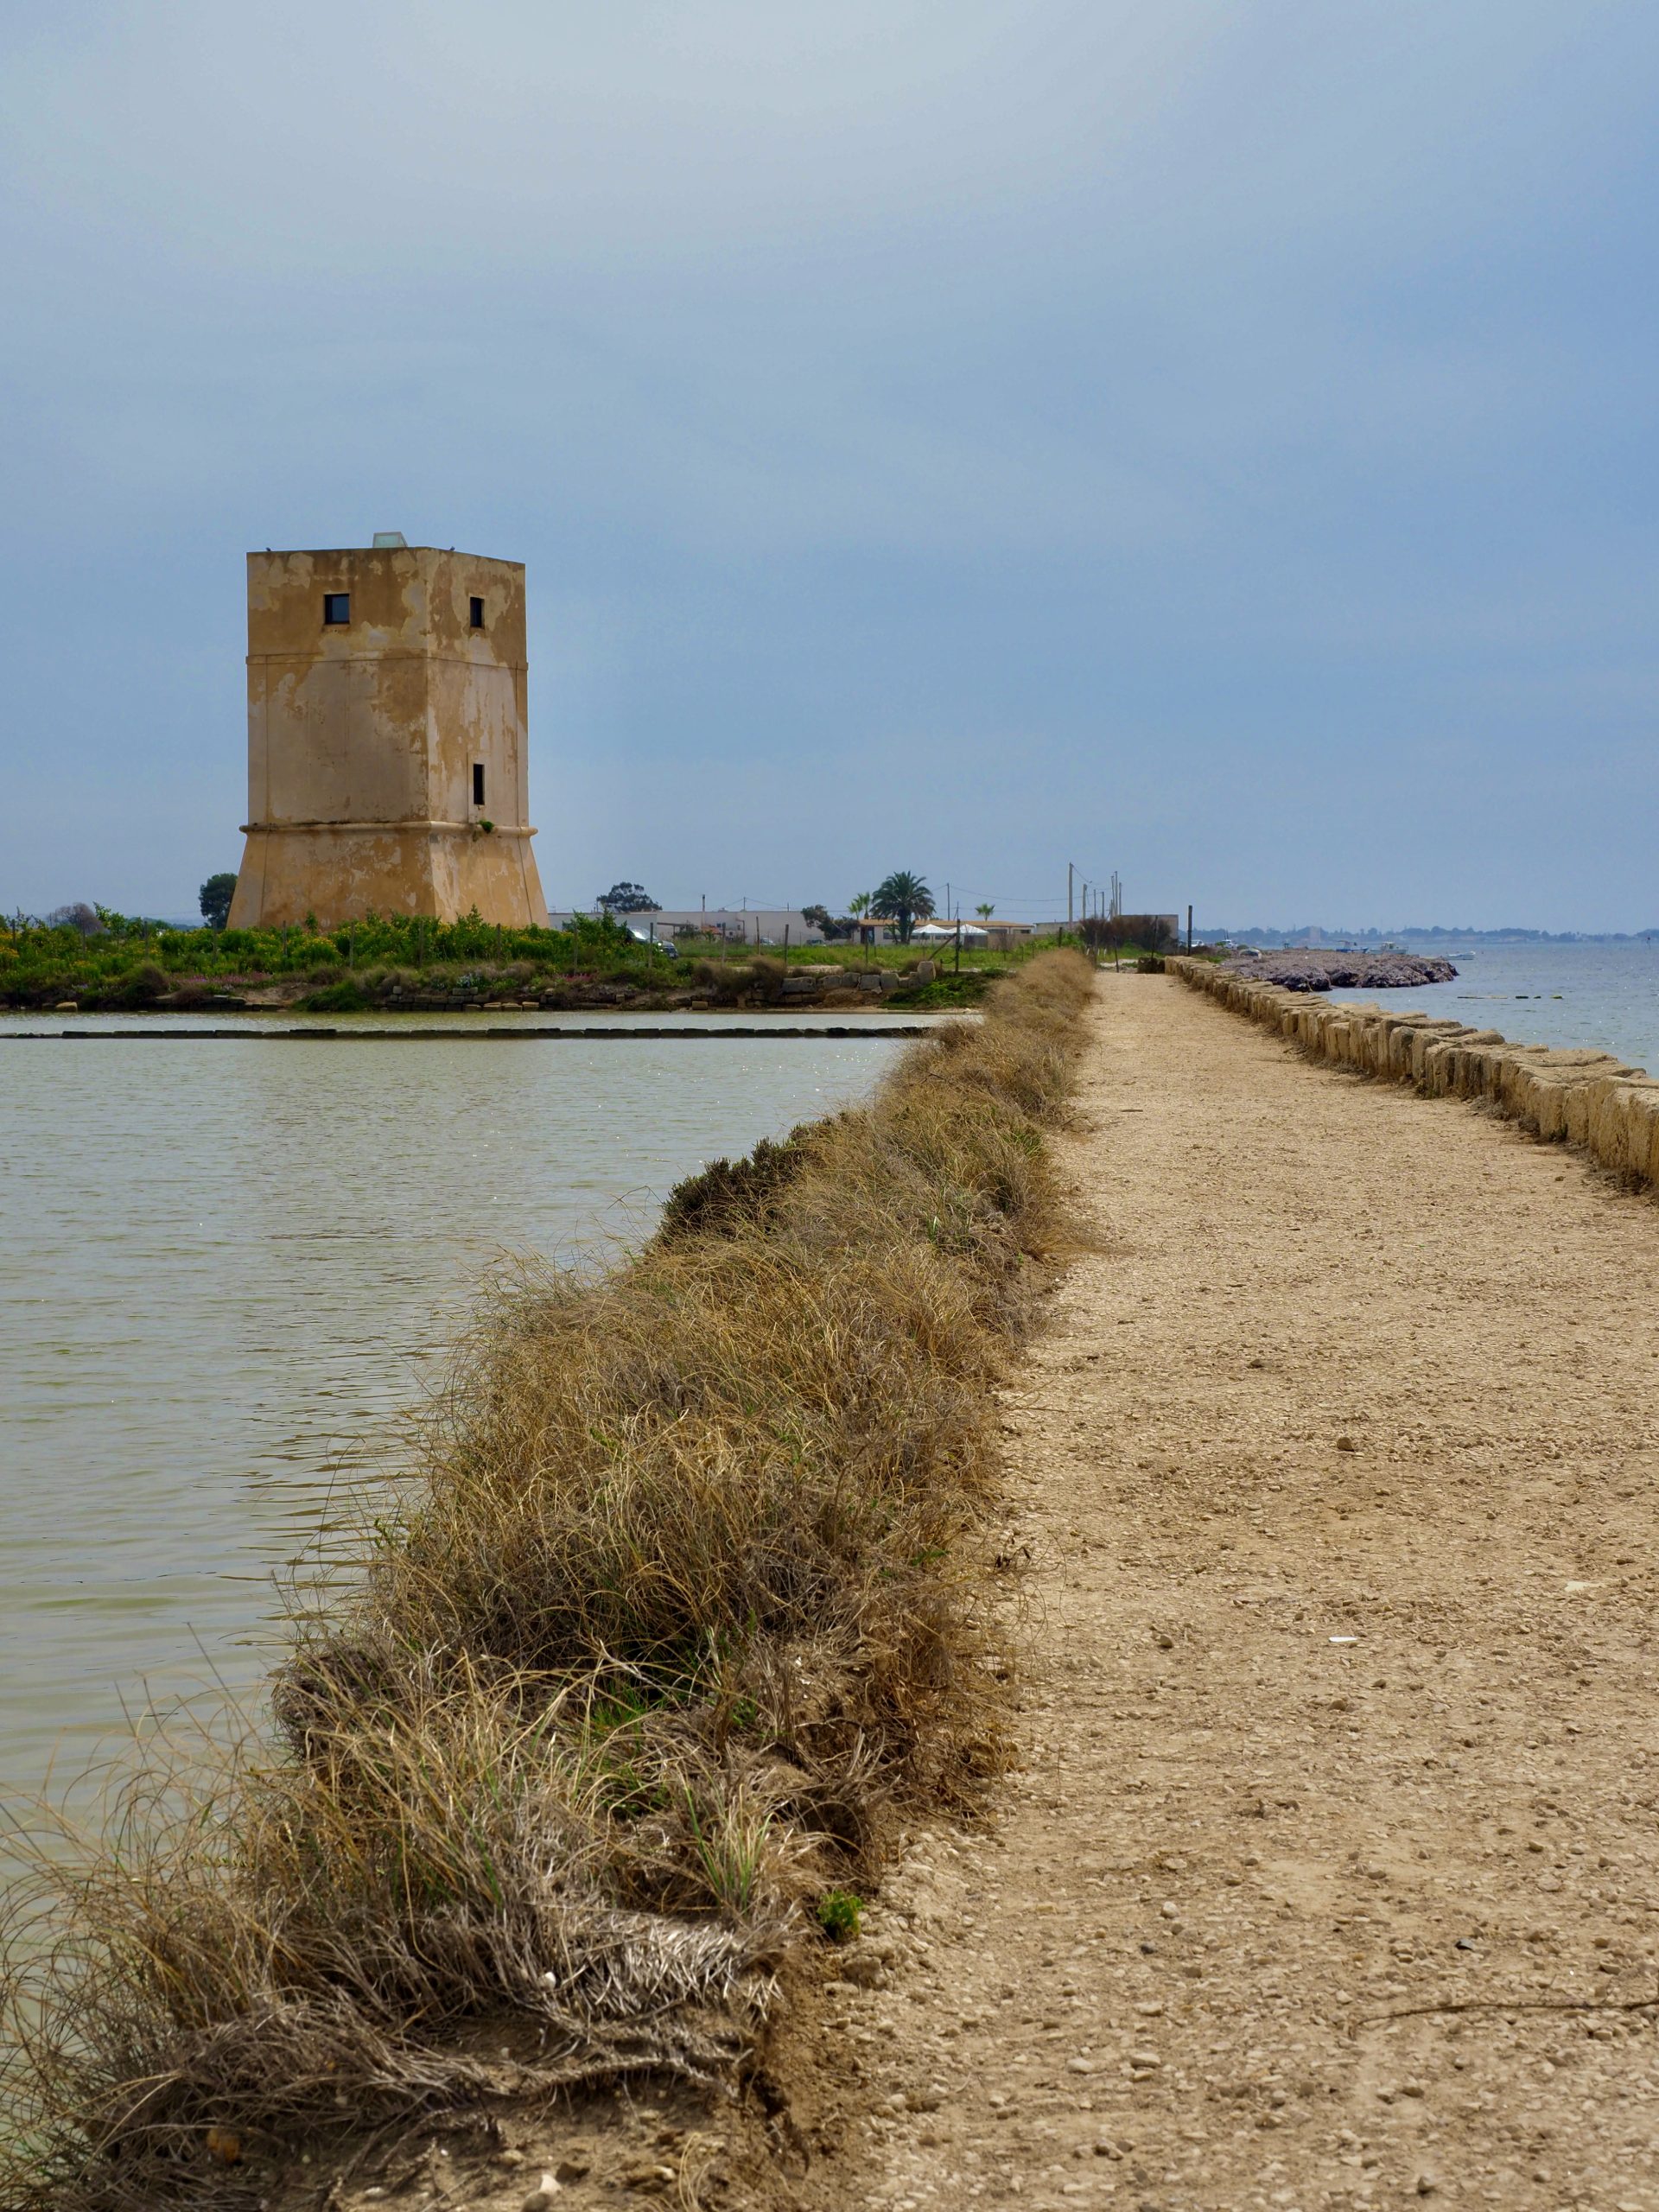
(1341, 1639)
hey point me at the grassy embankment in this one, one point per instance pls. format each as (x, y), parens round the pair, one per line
(133, 965)
(691, 1597)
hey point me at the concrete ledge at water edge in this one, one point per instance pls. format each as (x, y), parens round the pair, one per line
(1583, 1098)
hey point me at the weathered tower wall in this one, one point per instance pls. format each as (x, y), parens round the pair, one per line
(379, 745)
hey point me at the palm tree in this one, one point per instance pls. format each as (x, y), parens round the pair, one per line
(859, 907)
(905, 899)
(985, 911)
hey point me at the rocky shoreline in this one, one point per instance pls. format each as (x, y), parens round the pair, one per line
(1314, 969)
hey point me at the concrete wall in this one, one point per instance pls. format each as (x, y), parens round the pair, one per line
(1583, 1098)
(363, 738)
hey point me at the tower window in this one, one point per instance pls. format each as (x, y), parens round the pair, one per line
(478, 783)
(478, 615)
(336, 607)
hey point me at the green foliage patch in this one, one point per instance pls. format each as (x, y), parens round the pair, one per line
(131, 960)
(840, 1914)
(127, 962)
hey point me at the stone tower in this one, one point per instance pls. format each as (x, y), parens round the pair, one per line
(386, 739)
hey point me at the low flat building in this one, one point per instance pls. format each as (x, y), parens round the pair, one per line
(763, 925)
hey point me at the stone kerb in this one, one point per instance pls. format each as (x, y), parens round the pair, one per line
(1587, 1099)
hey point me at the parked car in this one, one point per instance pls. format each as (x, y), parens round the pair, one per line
(666, 946)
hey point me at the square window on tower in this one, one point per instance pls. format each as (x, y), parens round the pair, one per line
(478, 783)
(478, 615)
(336, 609)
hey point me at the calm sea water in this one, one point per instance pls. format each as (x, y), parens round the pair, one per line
(1602, 994)
(226, 1269)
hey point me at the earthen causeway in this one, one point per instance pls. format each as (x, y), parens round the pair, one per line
(1328, 1875)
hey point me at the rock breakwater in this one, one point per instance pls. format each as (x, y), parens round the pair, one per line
(1314, 969)
(1587, 1099)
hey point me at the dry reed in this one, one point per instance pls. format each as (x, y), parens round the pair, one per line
(690, 1595)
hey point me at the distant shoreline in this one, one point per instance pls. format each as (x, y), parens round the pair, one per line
(1307, 936)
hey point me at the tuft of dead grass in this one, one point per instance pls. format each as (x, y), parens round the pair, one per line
(691, 1595)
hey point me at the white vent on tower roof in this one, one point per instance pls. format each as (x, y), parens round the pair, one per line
(390, 540)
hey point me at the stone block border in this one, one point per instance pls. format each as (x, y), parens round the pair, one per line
(1587, 1099)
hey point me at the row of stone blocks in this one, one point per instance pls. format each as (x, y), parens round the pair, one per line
(811, 982)
(1583, 1098)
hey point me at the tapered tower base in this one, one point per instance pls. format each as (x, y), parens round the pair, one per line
(342, 874)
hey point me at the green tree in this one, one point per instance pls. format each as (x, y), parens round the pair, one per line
(985, 911)
(215, 896)
(628, 899)
(904, 900)
(833, 926)
(79, 917)
(1114, 932)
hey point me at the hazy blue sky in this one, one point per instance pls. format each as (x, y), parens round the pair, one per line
(1213, 442)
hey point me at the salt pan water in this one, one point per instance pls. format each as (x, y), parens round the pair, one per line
(227, 1267)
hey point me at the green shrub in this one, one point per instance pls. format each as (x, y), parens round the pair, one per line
(344, 997)
(840, 1914)
(145, 985)
(729, 1196)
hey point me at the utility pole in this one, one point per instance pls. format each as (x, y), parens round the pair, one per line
(1071, 871)
(1189, 927)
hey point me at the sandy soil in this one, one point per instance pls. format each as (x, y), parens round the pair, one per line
(1333, 1874)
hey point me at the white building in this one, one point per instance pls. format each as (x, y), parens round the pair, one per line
(760, 925)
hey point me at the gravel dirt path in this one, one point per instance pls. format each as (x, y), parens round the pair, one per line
(1332, 1876)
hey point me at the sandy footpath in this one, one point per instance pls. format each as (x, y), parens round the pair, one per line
(1336, 1852)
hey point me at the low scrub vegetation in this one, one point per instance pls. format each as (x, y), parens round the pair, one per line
(121, 962)
(690, 1595)
(108, 962)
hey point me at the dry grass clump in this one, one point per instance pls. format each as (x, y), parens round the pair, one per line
(690, 1594)
(723, 981)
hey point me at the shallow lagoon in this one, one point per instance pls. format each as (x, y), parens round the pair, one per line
(226, 1269)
